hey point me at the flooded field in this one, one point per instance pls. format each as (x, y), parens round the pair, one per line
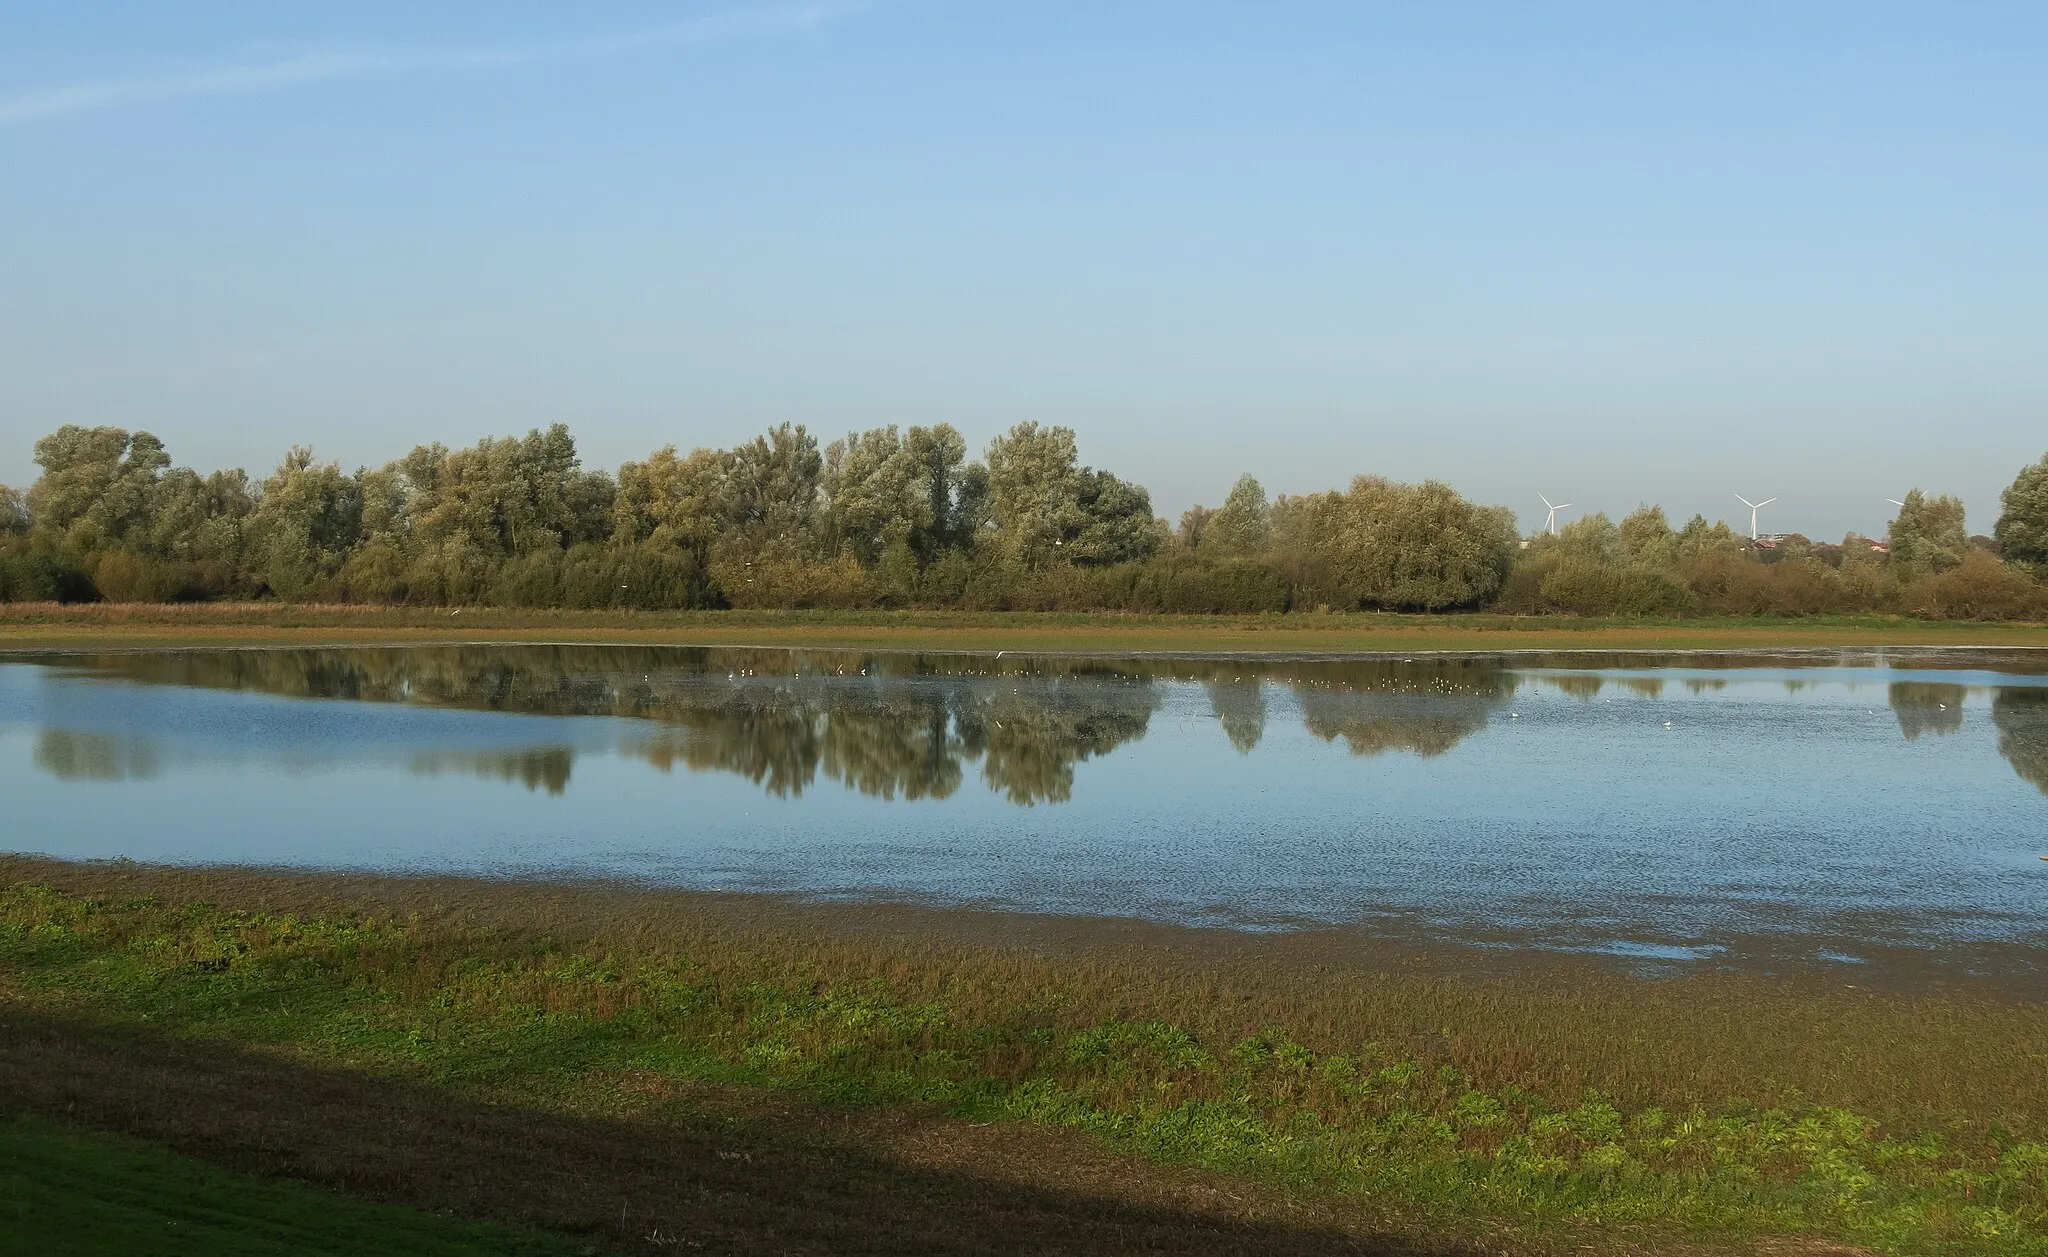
(1839, 810)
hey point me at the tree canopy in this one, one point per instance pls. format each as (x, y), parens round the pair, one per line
(2022, 528)
(1928, 534)
(895, 516)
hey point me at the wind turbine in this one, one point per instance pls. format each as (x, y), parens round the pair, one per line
(1754, 507)
(1897, 503)
(1550, 521)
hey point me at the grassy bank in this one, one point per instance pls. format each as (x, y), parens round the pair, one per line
(1352, 1106)
(65, 1191)
(42, 625)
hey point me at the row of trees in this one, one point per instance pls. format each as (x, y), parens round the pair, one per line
(904, 518)
(1927, 564)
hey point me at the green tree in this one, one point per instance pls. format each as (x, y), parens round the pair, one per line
(669, 502)
(2022, 529)
(467, 512)
(13, 511)
(306, 522)
(202, 519)
(1242, 526)
(1194, 521)
(1592, 538)
(509, 496)
(1645, 538)
(939, 456)
(1421, 546)
(772, 496)
(1699, 540)
(1928, 534)
(1303, 551)
(886, 492)
(98, 486)
(1034, 494)
(1117, 522)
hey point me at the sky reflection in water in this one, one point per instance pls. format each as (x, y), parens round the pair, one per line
(1825, 807)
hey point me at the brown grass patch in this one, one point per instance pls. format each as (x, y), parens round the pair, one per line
(43, 626)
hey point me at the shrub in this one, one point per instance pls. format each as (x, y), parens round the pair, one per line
(1982, 588)
(43, 575)
(1583, 587)
(838, 583)
(125, 576)
(640, 577)
(1199, 586)
(1734, 584)
(376, 573)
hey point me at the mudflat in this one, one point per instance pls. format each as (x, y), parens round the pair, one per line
(763, 1074)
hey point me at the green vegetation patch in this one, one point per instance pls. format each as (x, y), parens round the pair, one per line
(72, 1192)
(1315, 1107)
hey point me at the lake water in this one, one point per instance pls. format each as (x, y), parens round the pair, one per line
(1842, 808)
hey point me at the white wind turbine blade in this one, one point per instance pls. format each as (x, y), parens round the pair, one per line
(1766, 502)
(1895, 502)
(1746, 502)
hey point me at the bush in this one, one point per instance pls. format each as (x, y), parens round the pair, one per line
(1586, 588)
(376, 573)
(1553, 580)
(1983, 588)
(450, 574)
(591, 577)
(1789, 587)
(1069, 588)
(125, 576)
(1202, 586)
(41, 575)
(638, 577)
(838, 583)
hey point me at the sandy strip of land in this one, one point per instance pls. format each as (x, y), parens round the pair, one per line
(48, 626)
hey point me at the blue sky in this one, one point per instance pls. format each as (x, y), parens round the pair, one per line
(1607, 252)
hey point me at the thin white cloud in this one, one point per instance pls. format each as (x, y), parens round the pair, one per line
(328, 67)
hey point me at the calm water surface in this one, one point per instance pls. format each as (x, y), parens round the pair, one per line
(1828, 809)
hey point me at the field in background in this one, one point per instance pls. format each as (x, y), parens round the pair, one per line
(32, 626)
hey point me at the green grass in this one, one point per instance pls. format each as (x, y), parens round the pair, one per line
(1697, 1110)
(65, 1192)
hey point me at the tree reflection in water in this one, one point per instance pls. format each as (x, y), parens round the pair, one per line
(536, 768)
(1422, 706)
(2021, 716)
(1239, 705)
(88, 755)
(76, 755)
(1927, 707)
(906, 726)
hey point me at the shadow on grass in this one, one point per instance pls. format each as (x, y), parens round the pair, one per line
(713, 1172)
